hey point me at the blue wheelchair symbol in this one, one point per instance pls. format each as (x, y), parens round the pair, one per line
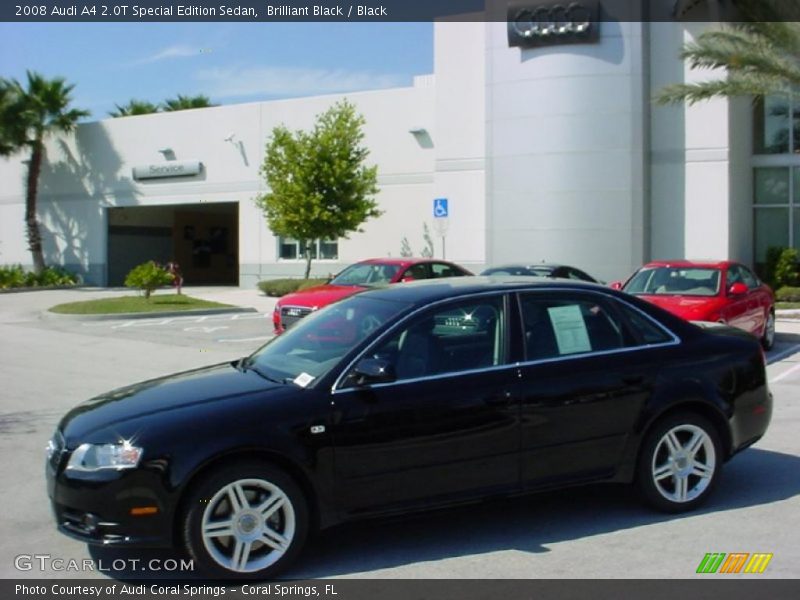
(440, 208)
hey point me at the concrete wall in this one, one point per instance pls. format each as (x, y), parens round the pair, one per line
(91, 171)
(565, 147)
(701, 162)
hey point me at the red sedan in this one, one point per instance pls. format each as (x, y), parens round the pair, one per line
(722, 291)
(355, 278)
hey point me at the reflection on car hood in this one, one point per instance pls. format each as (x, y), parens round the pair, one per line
(320, 295)
(163, 394)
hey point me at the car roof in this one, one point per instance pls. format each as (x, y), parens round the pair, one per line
(401, 261)
(431, 290)
(711, 264)
(527, 266)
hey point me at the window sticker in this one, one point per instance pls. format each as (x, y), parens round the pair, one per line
(570, 329)
(303, 379)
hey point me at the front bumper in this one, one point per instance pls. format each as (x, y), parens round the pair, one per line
(95, 508)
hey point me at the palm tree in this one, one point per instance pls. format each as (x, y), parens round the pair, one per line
(186, 102)
(761, 55)
(134, 107)
(28, 115)
(10, 132)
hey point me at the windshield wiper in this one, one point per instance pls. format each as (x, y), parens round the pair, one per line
(247, 364)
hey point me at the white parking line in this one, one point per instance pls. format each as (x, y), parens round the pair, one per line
(785, 374)
(201, 329)
(176, 320)
(781, 355)
(252, 339)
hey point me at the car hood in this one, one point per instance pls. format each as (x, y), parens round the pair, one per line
(215, 383)
(319, 295)
(690, 308)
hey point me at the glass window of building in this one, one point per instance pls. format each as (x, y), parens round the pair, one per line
(291, 249)
(776, 176)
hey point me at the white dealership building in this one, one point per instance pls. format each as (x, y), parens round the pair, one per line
(547, 153)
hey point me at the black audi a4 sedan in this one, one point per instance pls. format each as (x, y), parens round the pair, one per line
(410, 397)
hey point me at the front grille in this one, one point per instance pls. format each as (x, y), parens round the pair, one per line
(291, 314)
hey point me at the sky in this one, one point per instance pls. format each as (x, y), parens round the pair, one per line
(229, 62)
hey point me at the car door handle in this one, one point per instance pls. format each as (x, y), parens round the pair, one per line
(503, 399)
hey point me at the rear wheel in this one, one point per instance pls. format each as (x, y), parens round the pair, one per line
(248, 521)
(680, 463)
(768, 339)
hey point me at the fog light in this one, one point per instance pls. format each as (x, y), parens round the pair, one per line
(90, 522)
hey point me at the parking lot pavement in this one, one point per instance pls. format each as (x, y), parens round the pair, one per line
(239, 333)
(49, 366)
(784, 358)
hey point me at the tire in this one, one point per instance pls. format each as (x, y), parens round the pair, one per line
(247, 521)
(768, 339)
(679, 463)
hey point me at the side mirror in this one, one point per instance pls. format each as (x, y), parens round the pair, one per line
(615, 285)
(737, 289)
(406, 279)
(373, 370)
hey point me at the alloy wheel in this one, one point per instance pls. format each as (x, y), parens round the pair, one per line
(769, 332)
(684, 463)
(248, 525)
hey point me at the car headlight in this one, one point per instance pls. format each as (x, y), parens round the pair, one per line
(95, 457)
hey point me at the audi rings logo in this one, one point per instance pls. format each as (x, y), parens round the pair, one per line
(561, 23)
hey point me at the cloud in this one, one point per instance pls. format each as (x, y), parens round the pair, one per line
(290, 81)
(170, 52)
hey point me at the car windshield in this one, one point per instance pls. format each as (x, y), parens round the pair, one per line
(675, 281)
(368, 274)
(316, 344)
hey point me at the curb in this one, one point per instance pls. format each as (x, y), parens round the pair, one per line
(150, 315)
(39, 288)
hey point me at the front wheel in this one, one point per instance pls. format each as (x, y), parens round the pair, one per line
(680, 463)
(248, 521)
(768, 339)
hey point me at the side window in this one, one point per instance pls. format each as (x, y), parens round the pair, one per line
(747, 276)
(448, 339)
(564, 326)
(441, 270)
(648, 332)
(734, 276)
(419, 271)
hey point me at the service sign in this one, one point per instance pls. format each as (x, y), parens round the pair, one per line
(172, 168)
(532, 25)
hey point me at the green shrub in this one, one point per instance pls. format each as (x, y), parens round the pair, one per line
(786, 273)
(148, 277)
(788, 294)
(771, 263)
(16, 277)
(281, 287)
(12, 276)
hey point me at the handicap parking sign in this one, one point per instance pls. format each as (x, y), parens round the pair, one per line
(440, 210)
